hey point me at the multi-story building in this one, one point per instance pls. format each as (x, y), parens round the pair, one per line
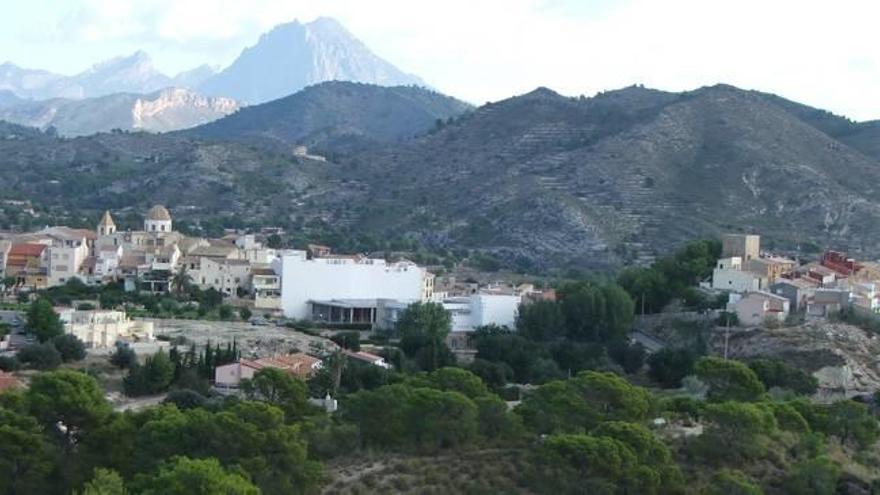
(347, 283)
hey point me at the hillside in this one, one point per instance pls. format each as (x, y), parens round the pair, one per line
(293, 56)
(546, 180)
(166, 110)
(333, 114)
(540, 181)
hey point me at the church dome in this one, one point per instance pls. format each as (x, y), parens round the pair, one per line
(159, 213)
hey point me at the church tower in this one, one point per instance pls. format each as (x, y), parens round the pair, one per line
(107, 226)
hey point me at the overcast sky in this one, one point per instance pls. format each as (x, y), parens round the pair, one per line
(820, 53)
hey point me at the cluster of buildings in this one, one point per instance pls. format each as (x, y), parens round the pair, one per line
(766, 288)
(314, 284)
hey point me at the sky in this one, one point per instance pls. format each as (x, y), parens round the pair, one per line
(820, 53)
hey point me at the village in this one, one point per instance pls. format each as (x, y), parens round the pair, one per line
(266, 286)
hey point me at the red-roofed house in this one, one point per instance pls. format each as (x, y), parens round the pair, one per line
(301, 365)
(8, 381)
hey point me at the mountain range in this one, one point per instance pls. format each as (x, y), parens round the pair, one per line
(292, 56)
(164, 110)
(539, 181)
(285, 60)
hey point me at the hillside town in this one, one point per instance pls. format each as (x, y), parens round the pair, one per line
(314, 285)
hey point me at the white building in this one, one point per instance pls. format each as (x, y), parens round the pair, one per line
(476, 310)
(102, 328)
(757, 308)
(729, 275)
(267, 288)
(352, 278)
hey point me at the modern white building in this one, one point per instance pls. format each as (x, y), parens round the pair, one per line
(477, 310)
(348, 281)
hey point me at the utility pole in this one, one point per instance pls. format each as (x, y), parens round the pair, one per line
(726, 336)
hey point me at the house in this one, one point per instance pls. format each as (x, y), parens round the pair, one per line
(102, 328)
(729, 275)
(27, 262)
(368, 358)
(347, 282)
(757, 308)
(267, 288)
(796, 290)
(225, 275)
(826, 302)
(229, 376)
(770, 268)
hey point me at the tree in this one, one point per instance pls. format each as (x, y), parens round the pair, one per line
(588, 458)
(668, 366)
(40, 356)
(454, 379)
(540, 321)
(596, 313)
(43, 321)
(776, 373)
(741, 427)
(631, 357)
(153, 377)
(554, 408)
(181, 280)
(9, 363)
(70, 347)
(68, 404)
(814, 477)
(732, 482)
(184, 476)
(225, 312)
(436, 419)
(495, 375)
(851, 421)
(25, 456)
(245, 314)
(279, 388)
(123, 358)
(728, 379)
(105, 482)
(423, 328)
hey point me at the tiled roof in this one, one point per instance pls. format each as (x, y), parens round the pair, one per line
(27, 249)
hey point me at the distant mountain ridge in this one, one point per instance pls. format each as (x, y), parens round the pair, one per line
(164, 110)
(293, 56)
(541, 182)
(339, 114)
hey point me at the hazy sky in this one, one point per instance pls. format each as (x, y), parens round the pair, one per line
(820, 53)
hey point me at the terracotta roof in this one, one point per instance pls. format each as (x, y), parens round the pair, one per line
(8, 381)
(27, 250)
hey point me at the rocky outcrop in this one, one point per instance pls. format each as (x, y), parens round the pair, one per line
(178, 108)
(845, 359)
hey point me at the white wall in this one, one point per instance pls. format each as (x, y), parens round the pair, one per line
(479, 310)
(736, 280)
(329, 278)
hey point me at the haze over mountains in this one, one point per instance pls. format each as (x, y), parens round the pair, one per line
(285, 60)
(294, 55)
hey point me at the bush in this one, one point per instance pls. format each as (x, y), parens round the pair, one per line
(668, 366)
(40, 356)
(70, 347)
(123, 358)
(9, 363)
(245, 314)
(776, 373)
